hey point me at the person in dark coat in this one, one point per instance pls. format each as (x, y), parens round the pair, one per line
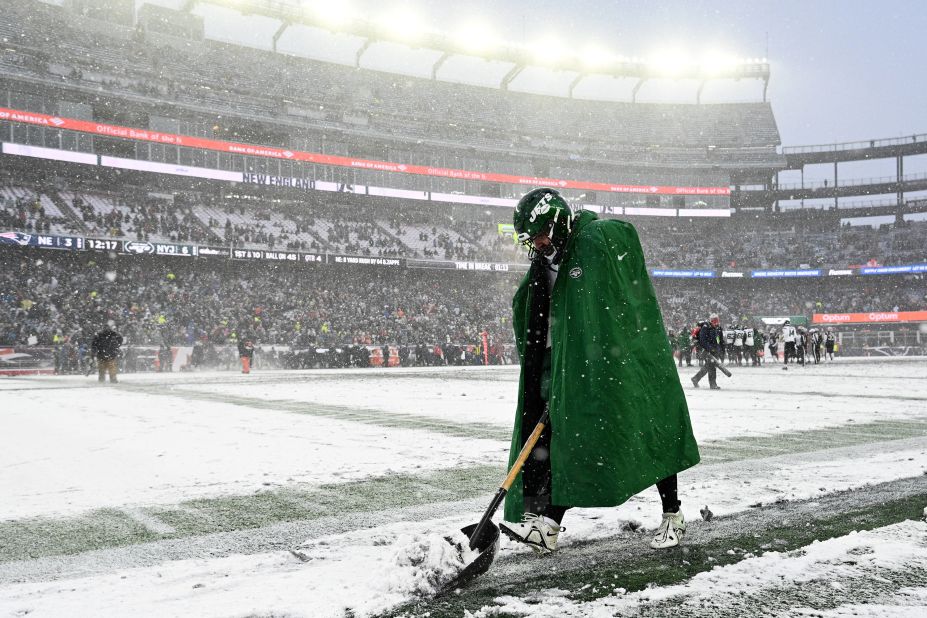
(165, 358)
(829, 341)
(246, 353)
(684, 343)
(710, 342)
(105, 347)
(385, 352)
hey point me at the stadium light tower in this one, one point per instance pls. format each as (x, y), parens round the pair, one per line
(595, 57)
(404, 26)
(550, 52)
(669, 64)
(715, 63)
(475, 38)
(408, 29)
(336, 15)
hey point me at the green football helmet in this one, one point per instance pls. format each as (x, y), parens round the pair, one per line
(543, 211)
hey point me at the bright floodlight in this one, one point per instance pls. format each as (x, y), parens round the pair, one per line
(475, 37)
(716, 63)
(404, 25)
(332, 14)
(669, 63)
(547, 50)
(595, 57)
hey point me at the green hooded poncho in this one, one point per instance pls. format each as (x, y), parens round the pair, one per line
(618, 416)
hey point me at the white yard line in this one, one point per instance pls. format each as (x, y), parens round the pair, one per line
(151, 523)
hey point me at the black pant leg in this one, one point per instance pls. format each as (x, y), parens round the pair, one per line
(701, 372)
(537, 479)
(669, 494)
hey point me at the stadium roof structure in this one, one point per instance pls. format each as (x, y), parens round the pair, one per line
(356, 36)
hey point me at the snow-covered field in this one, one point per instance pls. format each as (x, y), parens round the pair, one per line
(180, 494)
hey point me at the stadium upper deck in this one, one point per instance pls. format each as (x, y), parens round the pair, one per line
(58, 63)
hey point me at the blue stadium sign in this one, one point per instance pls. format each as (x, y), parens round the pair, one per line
(908, 269)
(776, 274)
(684, 274)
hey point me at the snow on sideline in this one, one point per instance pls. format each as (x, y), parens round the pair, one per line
(77, 448)
(774, 394)
(856, 556)
(73, 449)
(452, 398)
(65, 452)
(365, 571)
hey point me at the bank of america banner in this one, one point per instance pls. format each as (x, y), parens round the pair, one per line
(306, 184)
(108, 130)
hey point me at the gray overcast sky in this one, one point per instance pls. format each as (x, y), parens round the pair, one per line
(841, 70)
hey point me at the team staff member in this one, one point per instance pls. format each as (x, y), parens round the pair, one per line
(684, 342)
(105, 346)
(594, 352)
(246, 353)
(711, 341)
(789, 338)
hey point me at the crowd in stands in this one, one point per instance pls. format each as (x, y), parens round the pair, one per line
(426, 240)
(778, 242)
(363, 238)
(413, 230)
(49, 297)
(138, 217)
(683, 302)
(26, 211)
(23, 213)
(45, 297)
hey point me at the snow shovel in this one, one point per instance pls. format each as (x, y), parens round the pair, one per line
(718, 364)
(484, 536)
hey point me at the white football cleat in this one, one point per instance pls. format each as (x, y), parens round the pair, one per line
(539, 532)
(670, 532)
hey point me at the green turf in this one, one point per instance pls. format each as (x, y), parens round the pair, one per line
(99, 529)
(366, 416)
(35, 538)
(104, 528)
(786, 443)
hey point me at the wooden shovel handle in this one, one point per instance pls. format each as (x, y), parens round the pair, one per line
(526, 450)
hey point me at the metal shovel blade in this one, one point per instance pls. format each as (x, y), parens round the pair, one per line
(487, 545)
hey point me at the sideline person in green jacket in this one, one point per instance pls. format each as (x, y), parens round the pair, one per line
(684, 343)
(594, 353)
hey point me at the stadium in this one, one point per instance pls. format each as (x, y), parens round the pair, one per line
(210, 177)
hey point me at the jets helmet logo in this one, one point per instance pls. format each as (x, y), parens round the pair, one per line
(541, 207)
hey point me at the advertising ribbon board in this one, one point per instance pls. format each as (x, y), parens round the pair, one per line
(874, 317)
(253, 150)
